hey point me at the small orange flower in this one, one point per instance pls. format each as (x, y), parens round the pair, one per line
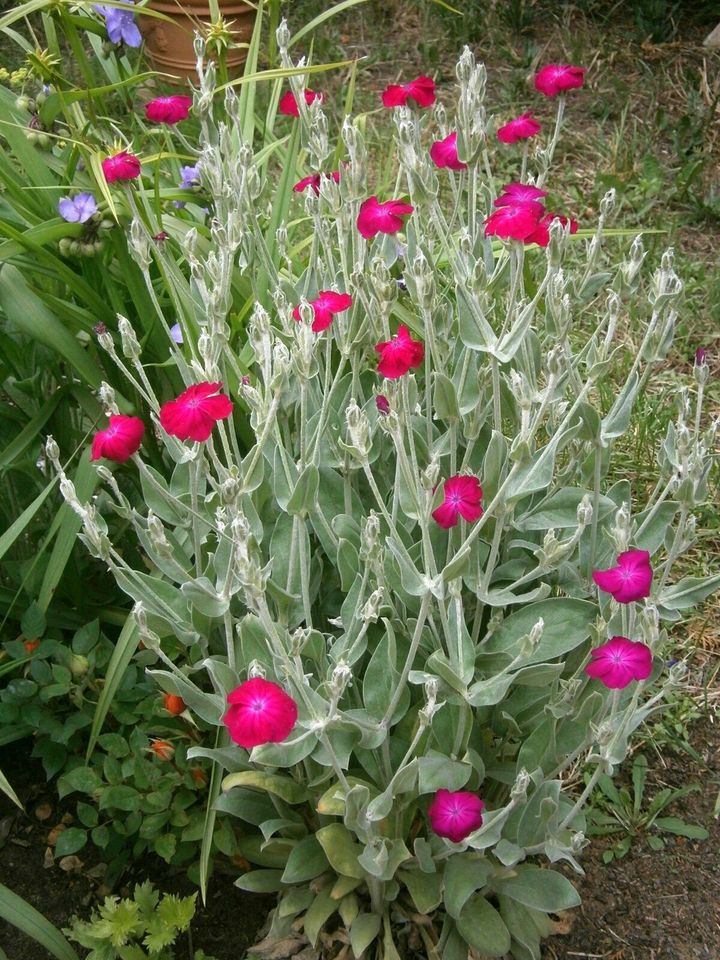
(31, 645)
(173, 704)
(198, 776)
(162, 749)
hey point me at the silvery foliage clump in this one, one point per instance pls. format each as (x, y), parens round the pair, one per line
(420, 658)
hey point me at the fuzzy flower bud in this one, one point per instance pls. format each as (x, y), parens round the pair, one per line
(518, 791)
(130, 343)
(371, 609)
(52, 452)
(359, 431)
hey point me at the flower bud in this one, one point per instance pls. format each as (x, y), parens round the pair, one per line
(78, 665)
(130, 343)
(585, 511)
(162, 749)
(173, 704)
(359, 431)
(518, 791)
(371, 608)
(52, 452)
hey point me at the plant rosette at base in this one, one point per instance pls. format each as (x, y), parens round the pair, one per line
(386, 567)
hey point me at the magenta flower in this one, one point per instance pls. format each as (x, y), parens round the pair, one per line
(541, 234)
(521, 128)
(260, 712)
(443, 153)
(375, 217)
(383, 404)
(314, 180)
(700, 356)
(421, 90)
(119, 440)
(516, 221)
(121, 166)
(556, 78)
(193, 414)
(289, 105)
(455, 814)
(630, 580)
(620, 661)
(462, 496)
(399, 355)
(325, 306)
(170, 110)
(515, 193)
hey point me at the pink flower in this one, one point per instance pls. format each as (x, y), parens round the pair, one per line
(383, 404)
(462, 496)
(121, 166)
(630, 580)
(260, 712)
(541, 234)
(118, 441)
(514, 193)
(455, 814)
(193, 414)
(556, 78)
(289, 105)
(700, 356)
(168, 110)
(521, 128)
(516, 221)
(399, 355)
(314, 181)
(443, 153)
(325, 306)
(375, 217)
(619, 661)
(421, 90)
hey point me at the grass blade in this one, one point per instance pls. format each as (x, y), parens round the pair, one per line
(19, 913)
(121, 657)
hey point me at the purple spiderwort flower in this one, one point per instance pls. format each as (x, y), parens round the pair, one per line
(189, 179)
(78, 209)
(176, 333)
(120, 24)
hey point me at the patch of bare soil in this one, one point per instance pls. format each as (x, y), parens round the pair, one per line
(661, 905)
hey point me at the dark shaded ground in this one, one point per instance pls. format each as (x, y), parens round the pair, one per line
(223, 929)
(648, 906)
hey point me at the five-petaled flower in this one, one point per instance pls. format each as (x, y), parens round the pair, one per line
(193, 414)
(455, 814)
(170, 110)
(541, 234)
(78, 209)
(514, 221)
(121, 166)
(399, 355)
(314, 180)
(260, 712)
(120, 24)
(375, 217)
(443, 153)
(173, 704)
(521, 128)
(325, 306)
(119, 440)
(289, 105)
(620, 661)
(630, 580)
(421, 90)
(462, 497)
(556, 78)
(515, 193)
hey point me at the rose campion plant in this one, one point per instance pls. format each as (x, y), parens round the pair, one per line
(372, 578)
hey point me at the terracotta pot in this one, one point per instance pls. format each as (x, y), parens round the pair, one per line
(169, 43)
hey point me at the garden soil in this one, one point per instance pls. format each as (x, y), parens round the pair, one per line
(648, 906)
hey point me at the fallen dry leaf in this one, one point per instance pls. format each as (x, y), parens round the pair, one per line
(272, 949)
(70, 864)
(43, 811)
(55, 833)
(48, 859)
